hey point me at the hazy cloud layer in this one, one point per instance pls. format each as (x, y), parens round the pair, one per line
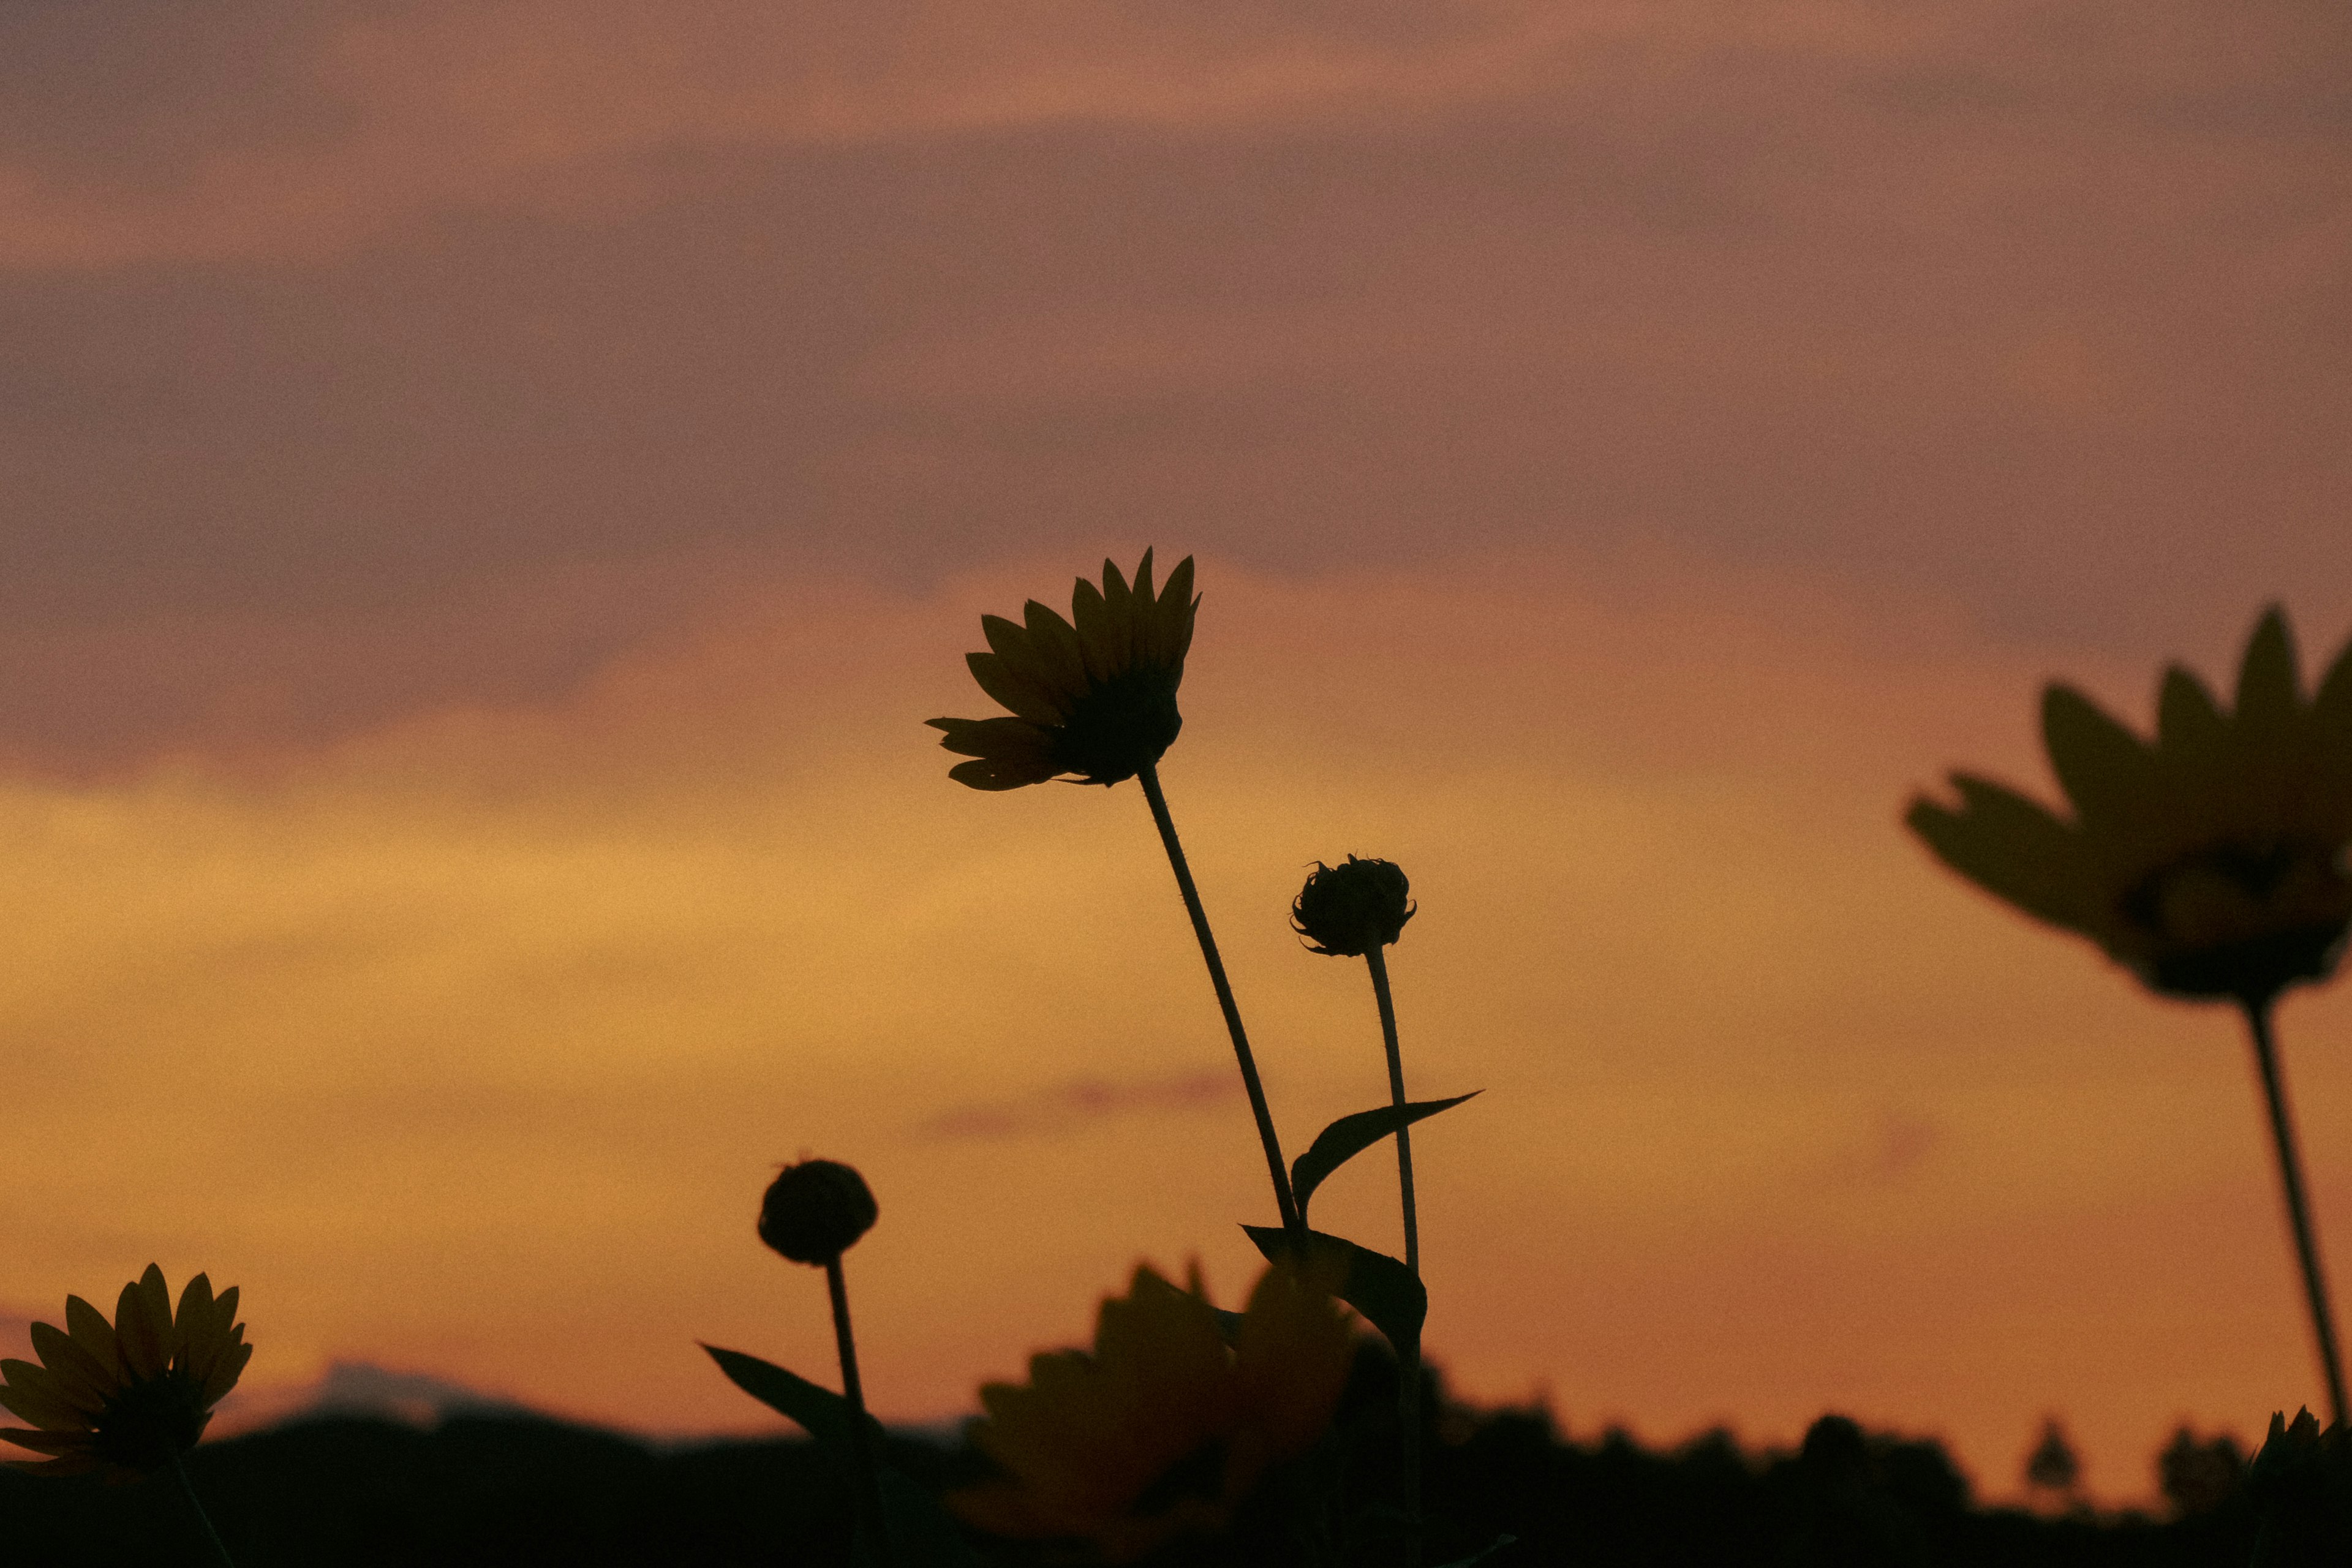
(394, 357)
(1079, 1100)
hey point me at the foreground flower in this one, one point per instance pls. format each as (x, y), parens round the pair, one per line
(129, 1396)
(1163, 1430)
(1096, 699)
(2210, 863)
(1092, 696)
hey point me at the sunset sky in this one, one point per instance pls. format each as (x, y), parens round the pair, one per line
(491, 490)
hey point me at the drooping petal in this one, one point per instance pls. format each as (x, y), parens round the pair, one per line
(2270, 695)
(2009, 845)
(33, 1395)
(2106, 769)
(78, 1373)
(1016, 690)
(48, 1442)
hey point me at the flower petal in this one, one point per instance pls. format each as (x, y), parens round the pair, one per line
(93, 1333)
(1053, 644)
(194, 1314)
(226, 1369)
(143, 1325)
(2189, 722)
(1025, 698)
(2270, 695)
(31, 1393)
(1097, 630)
(2107, 770)
(78, 1373)
(1173, 619)
(48, 1442)
(2012, 848)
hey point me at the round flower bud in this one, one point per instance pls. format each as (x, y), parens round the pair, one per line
(1346, 911)
(816, 1210)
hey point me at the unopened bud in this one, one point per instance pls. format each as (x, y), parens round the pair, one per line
(816, 1210)
(1346, 911)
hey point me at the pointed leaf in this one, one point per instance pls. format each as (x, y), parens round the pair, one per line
(1383, 1289)
(1352, 1135)
(921, 1531)
(820, 1412)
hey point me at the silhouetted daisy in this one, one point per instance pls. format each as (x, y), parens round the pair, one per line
(1093, 696)
(1163, 1430)
(132, 1395)
(2211, 863)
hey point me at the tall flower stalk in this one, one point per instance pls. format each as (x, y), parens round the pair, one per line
(1092, 699)
(1359, 909)
(2210, 863)
(812, 1213)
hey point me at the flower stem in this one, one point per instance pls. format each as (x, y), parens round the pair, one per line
(870, 1475)
(2298, 1207)
(188, 1490)
(1291, 1221)
(1409, 1361)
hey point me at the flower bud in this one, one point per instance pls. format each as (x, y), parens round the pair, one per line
(1347, 911)
(816, 1210)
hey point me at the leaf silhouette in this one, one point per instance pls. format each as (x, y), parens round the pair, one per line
(1383, 1289)
(1352, 1135)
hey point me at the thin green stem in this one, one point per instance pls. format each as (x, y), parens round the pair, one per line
(1283, 1200)
(877, 1530)
(1409, 1361)
(2298, 1207)
(188, 1490)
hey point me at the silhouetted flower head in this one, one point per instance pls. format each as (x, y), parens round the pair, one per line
(816, 1210)
(1346, 911)
(2210, 863)
(1093, 696)
(130, 1397)
(2302, 1487)
(1165, 1428)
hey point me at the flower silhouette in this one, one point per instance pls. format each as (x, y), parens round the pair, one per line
(129, 1396)
(1346, 910)
(1093, 696)
(2210, 863)
(1163, 1430)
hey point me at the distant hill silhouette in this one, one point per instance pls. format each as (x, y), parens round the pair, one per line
(486, 1488)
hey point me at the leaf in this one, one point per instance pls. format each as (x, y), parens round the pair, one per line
(820, 1412)
(921, 1531)
(1384, 1291)
(1475, 1557)
(1352, 1135)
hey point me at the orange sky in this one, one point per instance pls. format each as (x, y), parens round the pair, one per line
(493, 490)
(466, 1045)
